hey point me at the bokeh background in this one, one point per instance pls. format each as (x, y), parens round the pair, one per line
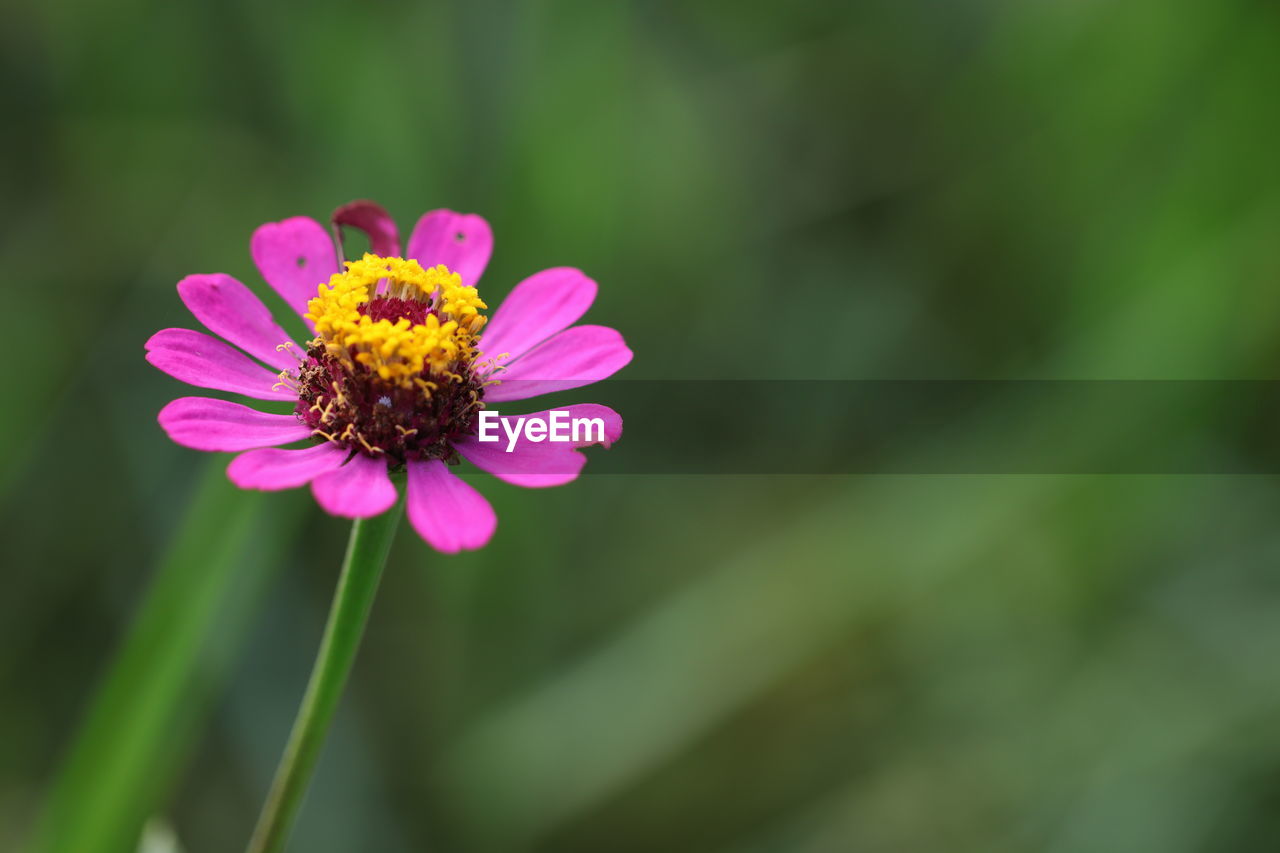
(885, 189)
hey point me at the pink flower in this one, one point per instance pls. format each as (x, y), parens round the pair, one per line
(402, 361)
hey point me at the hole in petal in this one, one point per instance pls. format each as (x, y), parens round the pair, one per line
(302, 261)
(459, 236)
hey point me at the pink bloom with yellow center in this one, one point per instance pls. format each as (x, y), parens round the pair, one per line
(402, 361)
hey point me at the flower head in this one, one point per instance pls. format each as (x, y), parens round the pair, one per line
(402, 360)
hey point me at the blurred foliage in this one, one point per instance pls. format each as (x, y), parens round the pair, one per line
(902, 189)
(148, 708)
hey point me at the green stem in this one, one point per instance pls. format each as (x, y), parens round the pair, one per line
(361, 570)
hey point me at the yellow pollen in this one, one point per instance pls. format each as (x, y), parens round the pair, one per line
(399, 351)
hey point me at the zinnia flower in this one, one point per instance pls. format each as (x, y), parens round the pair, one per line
(402, 361)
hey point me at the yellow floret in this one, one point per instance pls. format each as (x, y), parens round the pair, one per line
(399, 351)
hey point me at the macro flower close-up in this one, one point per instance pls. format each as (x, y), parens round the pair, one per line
(404, 361)
(806, 427)
(404, 358)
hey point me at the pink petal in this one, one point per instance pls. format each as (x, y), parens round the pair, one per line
(272, 469)
(206, 362)
(577, 356)
(371, 218)
(359, 489)
(542, 464)
(537, 308)
(230, 310)
(460, 241)
(204, 424)
(295, 256)
(449, 514)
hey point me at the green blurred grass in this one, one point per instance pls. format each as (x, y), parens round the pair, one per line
(891, 190)
(156, 696)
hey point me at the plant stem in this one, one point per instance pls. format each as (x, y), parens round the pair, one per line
(367, 551)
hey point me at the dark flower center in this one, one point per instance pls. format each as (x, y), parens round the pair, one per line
(353, 407)
(394, 308)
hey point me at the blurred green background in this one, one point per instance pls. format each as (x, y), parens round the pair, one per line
(886, 189)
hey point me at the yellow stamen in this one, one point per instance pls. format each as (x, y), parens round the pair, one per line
(399, 351)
